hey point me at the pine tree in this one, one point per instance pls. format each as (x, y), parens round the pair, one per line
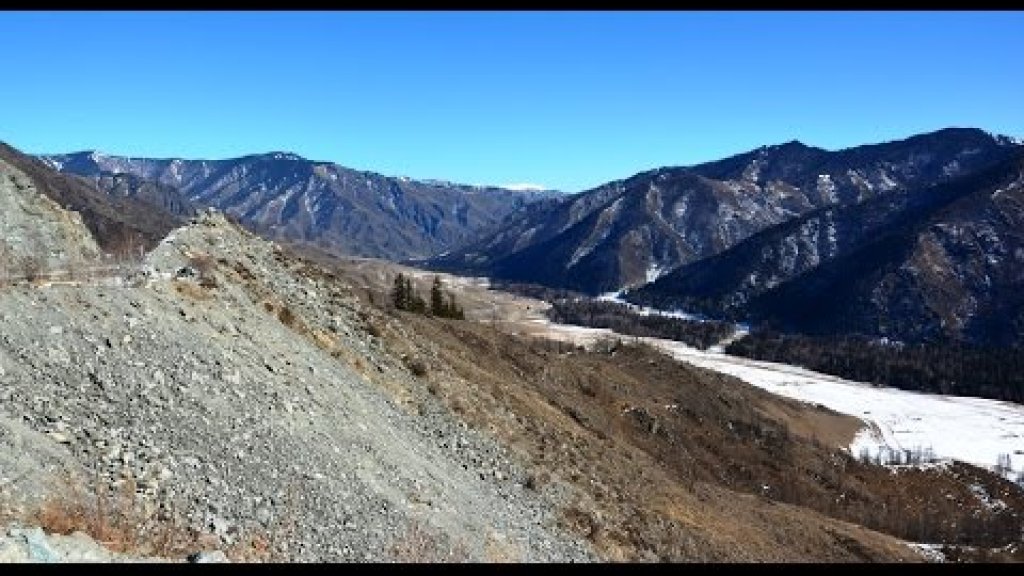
(437, 303)
(414, 302)
(399, 293)
(454, 310)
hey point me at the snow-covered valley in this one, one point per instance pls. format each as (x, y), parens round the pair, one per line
(973, 430)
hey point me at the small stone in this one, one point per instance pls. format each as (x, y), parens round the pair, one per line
(214, 557)
(38, 548)
(60, 438)
(264, 515)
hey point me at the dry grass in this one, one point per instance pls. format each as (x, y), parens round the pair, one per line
(190, 290)
(203, 263)
(632, 429)
(123, 522)
(115, 517)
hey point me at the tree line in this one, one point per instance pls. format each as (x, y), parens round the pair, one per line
(948, 368)
(624, 320)
(442, 304)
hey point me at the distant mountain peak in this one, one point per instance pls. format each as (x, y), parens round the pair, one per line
(280, 155)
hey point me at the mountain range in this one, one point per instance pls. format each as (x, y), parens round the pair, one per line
(336, 209)
(942, 262)
(915, 239)
(629, 232)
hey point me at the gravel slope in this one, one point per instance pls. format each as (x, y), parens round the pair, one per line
(225, 411)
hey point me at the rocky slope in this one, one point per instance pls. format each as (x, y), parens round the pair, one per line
(629, 232)
(134, 216)
(200, 392)
(941, 263)
(337, 209)
(35, 232)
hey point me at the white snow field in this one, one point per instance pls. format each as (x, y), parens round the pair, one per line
(972, 430)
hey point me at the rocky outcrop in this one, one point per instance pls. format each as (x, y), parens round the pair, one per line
(36, 234)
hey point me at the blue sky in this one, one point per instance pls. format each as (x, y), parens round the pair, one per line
(568, 100)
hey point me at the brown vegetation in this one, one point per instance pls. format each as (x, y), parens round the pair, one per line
(668, 461)
(649, 441)
(665, 461)
(205, 266)
(115, 517)
(190, 290)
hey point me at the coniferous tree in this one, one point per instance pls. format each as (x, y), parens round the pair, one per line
(437, 303)
(415, 302)
(399, 295)
(454, 310)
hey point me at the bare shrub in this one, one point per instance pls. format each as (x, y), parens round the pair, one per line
(286, 316)
(271, 544)
(374, 329)
(128, 248)
(417, 366)
(114, 517)
(31, 266)
(205, 265)
(607, 345)
(117, 518)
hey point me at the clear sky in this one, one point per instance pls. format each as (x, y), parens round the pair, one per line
(568, 100)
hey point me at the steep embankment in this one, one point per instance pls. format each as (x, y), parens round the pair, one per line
(35, 232)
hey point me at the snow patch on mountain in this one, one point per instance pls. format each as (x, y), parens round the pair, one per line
(655, 271)
(524, 187)
(827, 188)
